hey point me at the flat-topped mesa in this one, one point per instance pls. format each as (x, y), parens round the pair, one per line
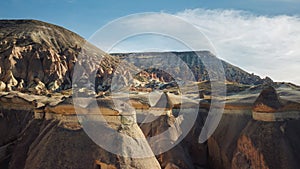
(270, 107)
(196, 62)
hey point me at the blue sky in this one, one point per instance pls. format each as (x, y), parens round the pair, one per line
(86, 16)
(260, 36)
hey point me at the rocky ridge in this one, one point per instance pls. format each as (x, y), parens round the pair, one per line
(195, 62)
(36, 56)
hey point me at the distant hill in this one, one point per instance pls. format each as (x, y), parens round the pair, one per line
(195, 64)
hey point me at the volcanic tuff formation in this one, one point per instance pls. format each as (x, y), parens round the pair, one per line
(40, 128)
(40, 57)
(268, 100)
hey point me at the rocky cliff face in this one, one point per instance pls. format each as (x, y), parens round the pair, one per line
(195, 62)
(43, 132)
(242, 142)
(51, 137)
(39, 56)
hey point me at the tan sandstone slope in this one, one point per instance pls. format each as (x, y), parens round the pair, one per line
(37, 56)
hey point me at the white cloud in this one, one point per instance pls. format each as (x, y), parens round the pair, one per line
(265, 45)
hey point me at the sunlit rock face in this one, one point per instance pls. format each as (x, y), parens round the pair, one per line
(33, 50)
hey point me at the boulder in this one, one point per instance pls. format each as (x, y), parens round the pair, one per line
(10, 80)
(21, 85)
(54, 86)
(37, 87)
(2, 86)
